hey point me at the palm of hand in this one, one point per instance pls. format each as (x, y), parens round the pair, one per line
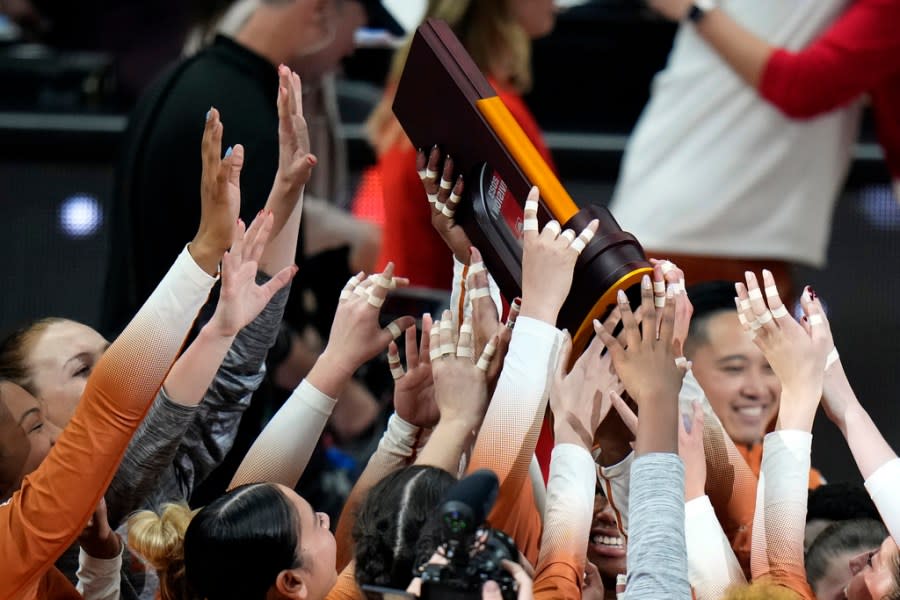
(414, 397)
(460, 388)
(294, 149)
(240, 299)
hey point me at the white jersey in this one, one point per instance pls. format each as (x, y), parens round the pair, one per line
(713, 169)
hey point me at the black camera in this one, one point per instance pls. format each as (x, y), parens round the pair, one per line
(474, 552)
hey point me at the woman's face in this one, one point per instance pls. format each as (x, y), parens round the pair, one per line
(873, 573)
(606, 546)
(60, 361)
(537, 17)
(27, 436)
(316, 547)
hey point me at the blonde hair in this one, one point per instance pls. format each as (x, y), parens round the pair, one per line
(760, 590)
(159, 540)
(497, 43)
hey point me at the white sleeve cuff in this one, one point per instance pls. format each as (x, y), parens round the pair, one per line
(314, 398)
(884, 487)
(99, 578)
(400, 437)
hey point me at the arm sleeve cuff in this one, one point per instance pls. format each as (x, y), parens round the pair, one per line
(884, 488)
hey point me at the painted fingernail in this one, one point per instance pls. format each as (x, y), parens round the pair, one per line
(687, 423)
(812, 292)
(228, 152)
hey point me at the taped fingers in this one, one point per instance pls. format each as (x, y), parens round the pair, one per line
(484, 361)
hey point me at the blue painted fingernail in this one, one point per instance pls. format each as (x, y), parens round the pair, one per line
(687, 423)
(228, 152)
(208, 114)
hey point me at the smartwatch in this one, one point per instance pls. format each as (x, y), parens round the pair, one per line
(699, 9)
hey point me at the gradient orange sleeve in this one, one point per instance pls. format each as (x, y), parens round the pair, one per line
(49, 511)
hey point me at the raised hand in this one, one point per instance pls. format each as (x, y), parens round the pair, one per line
(665, 274)
(645, 362)
(460, 383)
(220, 196)
(548, 262)
(98, 539)
(580, 398)
(241, 299)
(414, 388)
(443, 196)
(796, 352)
(356, 336)
(690, 449)
(295, 162)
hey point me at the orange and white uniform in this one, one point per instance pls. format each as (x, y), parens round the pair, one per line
(49, 511)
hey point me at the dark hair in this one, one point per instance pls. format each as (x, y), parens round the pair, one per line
(839, 502)
(709, 299)
(854, 536)
(14, 351)
(236, 547)
(389, 521)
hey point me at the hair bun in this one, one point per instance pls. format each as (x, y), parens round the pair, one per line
(159, 538)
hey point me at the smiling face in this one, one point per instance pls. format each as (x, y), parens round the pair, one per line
(606, 546)
(59, 362)
(741, 387)
(874, 573)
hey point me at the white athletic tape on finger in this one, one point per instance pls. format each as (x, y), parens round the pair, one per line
(780, 312)
(743, 319)
(659, 301)
(832, 358)
(397, 372)
(454, 198)
(464, 352)
(578, 245)
(434, 353)
(678, 287)
(345, 294)
(754, 293)
(745, 304)
(771, 291)
(433, 198)
(531, 206)
(446, 324)
(465, 328)
(553, 226)
(755, 324)
(569, 235)
(666, 267)
(446, 185)
(659, 287)
(439, 206)
(395, 331)
(475, 269)
(382, 281)
(448, 212)
(375, 300)
(484, 361)
(430, 173)
(361, 292)
(530, 224)
(816, 319)
(422, 174)
(764, 318)
(448, 349)
(479, 293)
(681, 361)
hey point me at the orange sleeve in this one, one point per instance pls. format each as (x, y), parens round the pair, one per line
(558, 581)
(516, 515)
(346, 588)
(50, 509)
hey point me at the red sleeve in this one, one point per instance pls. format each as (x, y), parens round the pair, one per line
(859, 51)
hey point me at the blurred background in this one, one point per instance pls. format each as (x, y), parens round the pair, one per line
(70, 73)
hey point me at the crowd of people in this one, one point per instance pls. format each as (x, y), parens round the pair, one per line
(680, 438)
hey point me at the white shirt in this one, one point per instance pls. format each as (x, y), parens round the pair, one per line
(712, 169)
